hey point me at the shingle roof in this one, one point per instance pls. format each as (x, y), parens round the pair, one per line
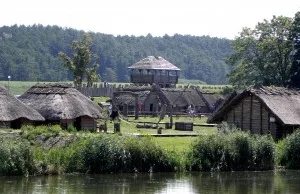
(157, 63)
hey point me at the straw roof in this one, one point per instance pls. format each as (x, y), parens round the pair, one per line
(11, 108)
(60, 101)
(157, 63)
(127, 94)
(182, 97)
(282, 102)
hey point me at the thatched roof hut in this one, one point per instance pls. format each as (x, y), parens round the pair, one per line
(14, 113)
(155, 63)
(182, 98)
(64, 104)
(273, 110)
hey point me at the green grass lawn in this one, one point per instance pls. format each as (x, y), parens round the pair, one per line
(176, 144)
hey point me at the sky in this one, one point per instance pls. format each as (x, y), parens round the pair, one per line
(215, 18)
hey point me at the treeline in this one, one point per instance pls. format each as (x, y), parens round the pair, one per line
(30, 53)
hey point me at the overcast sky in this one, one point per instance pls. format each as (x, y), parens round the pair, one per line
(216, 18)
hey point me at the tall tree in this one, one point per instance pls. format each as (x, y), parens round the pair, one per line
(295, 38)
(262, 55)
(79, 63)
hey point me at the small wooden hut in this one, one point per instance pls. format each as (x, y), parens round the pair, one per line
(262, 110)
(154, 70)
(63, 104)
(14, 113)
(129, 98)
(180, 99)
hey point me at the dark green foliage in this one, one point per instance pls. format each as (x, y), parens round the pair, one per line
(80, 61)
(31, 54)
(16, 157)
(289, 153)
(145, 156)
(113, 154)
(295, 38)
(232, 151)
(262, 54)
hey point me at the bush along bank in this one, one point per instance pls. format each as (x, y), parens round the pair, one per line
(94, 153)
(16, 157)
(288, 151)
(33, 152)
(233, 151)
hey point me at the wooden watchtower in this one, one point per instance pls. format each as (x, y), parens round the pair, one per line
(156, 70)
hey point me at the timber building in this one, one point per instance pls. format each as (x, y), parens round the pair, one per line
(262, 110)
(154, 70)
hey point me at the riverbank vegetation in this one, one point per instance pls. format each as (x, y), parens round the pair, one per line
(48, 150)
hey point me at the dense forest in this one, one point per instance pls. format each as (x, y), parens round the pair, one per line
(30, 53)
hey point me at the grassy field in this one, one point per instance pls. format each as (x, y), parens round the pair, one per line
(172, 143)
(19, 87)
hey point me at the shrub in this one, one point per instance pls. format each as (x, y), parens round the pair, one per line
(111, 154)
(232, 151)
(289, 151)
(144, 156)
(16, 157)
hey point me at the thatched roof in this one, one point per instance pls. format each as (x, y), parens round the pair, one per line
(129, 98)
(11, 108)
(60, 101)
(157, 63)
(182, 97)
(283, 103)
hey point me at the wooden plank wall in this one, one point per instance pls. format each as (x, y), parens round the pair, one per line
(250, 114)
(256, 116)
(246, 113)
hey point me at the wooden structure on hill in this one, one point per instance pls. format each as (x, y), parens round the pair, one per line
(156, 70)
(63, 104)
(262, 110)
(14, 113)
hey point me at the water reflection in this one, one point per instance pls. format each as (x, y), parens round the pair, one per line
(158, 183)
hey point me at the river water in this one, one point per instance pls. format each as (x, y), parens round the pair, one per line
(158, 183)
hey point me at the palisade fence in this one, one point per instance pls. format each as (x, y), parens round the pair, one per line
(98, 90)
(107, 90)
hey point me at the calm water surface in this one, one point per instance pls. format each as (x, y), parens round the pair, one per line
(158, 183)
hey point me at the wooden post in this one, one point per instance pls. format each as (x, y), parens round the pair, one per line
(136, 107)
(261, 119)
(242, 116)
(251, 113)
(171, 116)
(125, 110)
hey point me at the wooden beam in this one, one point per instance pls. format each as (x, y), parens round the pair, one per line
(242, 115)
(251, 112)
(261, 118)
